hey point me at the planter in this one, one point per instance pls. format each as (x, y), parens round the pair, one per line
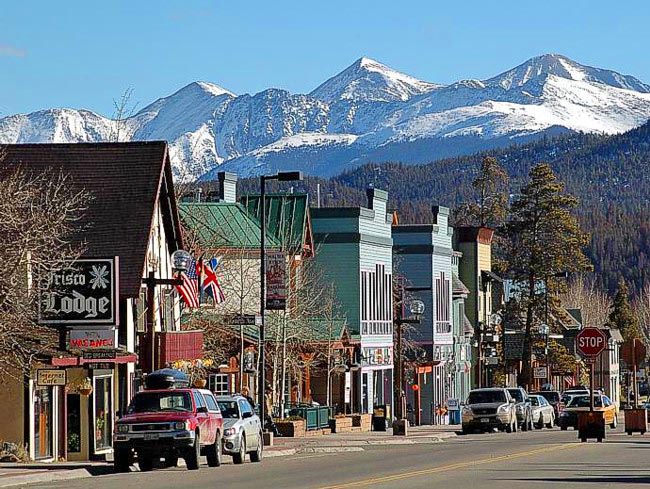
(636, 421)
(200, 383)
(591, 425)
(85, 391)
(291, 429)
(341, 425)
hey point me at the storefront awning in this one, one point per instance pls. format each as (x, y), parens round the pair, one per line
(78, 362)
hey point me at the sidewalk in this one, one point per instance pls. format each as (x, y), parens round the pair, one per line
(17, 474)
(348, 442)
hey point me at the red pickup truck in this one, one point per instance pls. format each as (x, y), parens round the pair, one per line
(170, 423)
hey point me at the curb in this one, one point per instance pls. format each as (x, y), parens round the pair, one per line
(45, 476)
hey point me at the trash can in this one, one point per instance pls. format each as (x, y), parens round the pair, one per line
(380, 415)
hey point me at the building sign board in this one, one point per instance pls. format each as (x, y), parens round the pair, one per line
(377, 356)
(82, 292)
(99, 355)
(92, 339)
(540, 373)
(48, 376)
(276, 283)
(513, 343)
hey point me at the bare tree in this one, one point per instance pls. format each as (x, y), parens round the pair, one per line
(585, 294)
(123, 111)
(39, 218)
(641, 305)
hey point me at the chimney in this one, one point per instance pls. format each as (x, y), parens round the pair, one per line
(440, 216)
(197, 195)
(377, 200)
(227, 186)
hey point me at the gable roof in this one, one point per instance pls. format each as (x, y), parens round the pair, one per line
(125, 181)
(287, 218)
(223, 225)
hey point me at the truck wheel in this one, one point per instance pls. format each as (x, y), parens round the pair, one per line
(563, 428)
(171, 461)
(256, 456)
(193, 454)
(464, 430)
(213, 452)
(122, 460)
(145, 462)
(238, 458)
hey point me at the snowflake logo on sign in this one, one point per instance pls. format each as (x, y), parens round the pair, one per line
(99, 277)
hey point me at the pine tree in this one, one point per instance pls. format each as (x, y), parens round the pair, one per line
(623, 316)
(544, 239)
(490, 204)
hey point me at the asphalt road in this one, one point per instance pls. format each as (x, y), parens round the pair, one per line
(531, 460)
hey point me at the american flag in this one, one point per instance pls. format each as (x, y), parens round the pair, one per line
(211, 282)
(189, 289)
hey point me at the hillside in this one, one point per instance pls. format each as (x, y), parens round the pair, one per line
(609, 174)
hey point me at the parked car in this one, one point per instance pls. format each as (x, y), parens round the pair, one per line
(569, 415)
(522, 406)
(487, 409)
(542, 412)
(170, 423)
(242, 432)
(554, 398)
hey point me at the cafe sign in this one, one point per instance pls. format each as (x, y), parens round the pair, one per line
(82, 292)
(46, 377)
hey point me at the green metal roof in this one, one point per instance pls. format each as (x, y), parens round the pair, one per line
(223, 225)
(287, 217)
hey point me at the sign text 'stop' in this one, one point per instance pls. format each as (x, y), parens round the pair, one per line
(82, 292)
(590, 342)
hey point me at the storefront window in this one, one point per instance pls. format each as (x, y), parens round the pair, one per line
(103, 412)
(43, 422)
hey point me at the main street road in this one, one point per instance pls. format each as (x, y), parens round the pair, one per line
(532, 460)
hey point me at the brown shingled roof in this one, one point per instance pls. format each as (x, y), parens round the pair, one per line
(126, 180)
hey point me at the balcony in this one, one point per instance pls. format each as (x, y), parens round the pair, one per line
(180, 345)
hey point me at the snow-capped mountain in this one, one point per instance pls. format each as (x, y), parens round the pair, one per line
(368, 112)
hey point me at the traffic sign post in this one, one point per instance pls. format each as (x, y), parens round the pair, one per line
(590, 343)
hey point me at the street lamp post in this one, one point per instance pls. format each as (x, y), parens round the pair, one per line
(281, 177)
(547, 328)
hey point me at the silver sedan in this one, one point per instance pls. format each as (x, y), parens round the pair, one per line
(543, 413)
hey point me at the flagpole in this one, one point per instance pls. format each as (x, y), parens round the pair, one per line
(199, 277)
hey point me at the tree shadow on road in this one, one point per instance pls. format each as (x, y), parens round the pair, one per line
(613, 479)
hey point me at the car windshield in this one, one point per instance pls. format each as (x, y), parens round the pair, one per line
(516, 393)
(550, 396)
(148, 402)
(583, 401)
(479, 397)
(229, 409)
(534, 401)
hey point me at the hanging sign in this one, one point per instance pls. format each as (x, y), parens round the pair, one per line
(92, 339)
(276, 283)
(82, 292)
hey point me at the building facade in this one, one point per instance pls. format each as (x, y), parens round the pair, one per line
(424, 257)
(354, 250)
(66, 407)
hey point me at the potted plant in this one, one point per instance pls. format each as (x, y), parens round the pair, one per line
(85, 387)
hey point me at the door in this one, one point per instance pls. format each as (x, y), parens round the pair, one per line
(250, 427)
(205, 430)
(213, 411)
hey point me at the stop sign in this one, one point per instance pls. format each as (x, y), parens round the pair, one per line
(590, 342)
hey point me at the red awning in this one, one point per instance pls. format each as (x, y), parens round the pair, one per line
(76, 361)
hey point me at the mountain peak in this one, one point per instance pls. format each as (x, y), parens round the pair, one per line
(561, 66)
(207, 87)
(369, 80)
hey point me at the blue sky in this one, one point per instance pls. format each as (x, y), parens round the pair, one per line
(84, 54)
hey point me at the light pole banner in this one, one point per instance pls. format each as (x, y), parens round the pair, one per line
(276, 281)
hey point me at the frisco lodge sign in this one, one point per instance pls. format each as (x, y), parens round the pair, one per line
(83, 292)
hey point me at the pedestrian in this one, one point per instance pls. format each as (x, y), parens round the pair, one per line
(246, 393)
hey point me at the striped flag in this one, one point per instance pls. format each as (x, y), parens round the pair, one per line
(189, 289)
(211, 282)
